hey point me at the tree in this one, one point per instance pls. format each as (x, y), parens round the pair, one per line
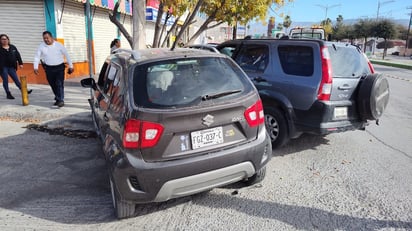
(385, 29)
(232, 12)
(287, 22)
(279, 26)
(338, 29)
(327, 26)
(217, 12)
(138, 40)
(401, 32)
(364, 29)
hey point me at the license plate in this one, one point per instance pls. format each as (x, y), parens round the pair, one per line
(207, 137)
(340, 113)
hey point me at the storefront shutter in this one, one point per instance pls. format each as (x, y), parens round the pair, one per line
(74, 31)
(24, 23)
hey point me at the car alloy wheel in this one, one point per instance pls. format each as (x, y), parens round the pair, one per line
(276, 126)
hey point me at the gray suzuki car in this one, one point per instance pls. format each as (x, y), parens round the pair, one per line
(175, 123)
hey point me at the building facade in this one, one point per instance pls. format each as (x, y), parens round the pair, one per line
(25, 20)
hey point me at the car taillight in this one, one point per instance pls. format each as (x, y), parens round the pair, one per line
(371, 67)
(325, 87)
(254, 114)
(141, 134)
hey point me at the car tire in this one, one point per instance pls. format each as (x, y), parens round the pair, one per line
(122, 209)
(373, 96)
(276, 126)
(257, 177)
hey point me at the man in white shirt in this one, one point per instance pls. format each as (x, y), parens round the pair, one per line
(51, 54)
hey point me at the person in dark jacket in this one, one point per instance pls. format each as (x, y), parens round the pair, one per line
(115, 44)
(9, 57)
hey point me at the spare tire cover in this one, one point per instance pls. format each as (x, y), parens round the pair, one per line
(373, 96)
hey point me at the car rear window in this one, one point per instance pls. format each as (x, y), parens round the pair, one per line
(347, 62)
(188, 82)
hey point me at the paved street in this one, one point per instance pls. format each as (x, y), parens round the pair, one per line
(359, 180)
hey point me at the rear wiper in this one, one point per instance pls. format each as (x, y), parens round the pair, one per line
(218, 95)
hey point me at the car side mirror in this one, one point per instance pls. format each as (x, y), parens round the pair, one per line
(88, 83)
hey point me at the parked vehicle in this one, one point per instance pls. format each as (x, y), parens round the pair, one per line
(307, 32)
(310, 86)
(209, 47)
(175, 123)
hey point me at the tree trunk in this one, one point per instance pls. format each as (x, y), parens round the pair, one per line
(170, 31)
(234, 34)
(113, 19)
(139, 22)
(187, 22)
(158, 26)
(384, 51)
(202, 28)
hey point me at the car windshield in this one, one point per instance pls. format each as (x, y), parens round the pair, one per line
(188, 82)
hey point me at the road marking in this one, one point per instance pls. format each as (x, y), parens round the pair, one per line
(396, 77)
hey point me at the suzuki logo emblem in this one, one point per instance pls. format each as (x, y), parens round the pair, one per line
(208, 120)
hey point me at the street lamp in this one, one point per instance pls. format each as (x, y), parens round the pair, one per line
(327, 7)
(381, 4)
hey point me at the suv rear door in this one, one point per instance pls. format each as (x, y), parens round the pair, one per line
(346, 77)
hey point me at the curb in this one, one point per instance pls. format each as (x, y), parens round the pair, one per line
(390, 64)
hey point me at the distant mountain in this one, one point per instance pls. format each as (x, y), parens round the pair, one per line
(259, 28)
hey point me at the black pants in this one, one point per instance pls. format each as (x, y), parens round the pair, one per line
(55, 77)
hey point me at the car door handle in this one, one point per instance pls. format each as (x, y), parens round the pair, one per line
(259, 79)
(106, 118)
(344, 87)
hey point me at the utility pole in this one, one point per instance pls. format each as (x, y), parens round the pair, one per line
(327, 7)
(379, 6)
(89, 39)
(409, 28)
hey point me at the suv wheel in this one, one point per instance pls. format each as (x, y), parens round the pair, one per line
(257, 177)
(373, 96)
(276, 126)
(122, 209)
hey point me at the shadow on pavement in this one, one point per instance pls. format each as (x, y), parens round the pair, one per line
(53, 177)
(304, 142)
(302, 218)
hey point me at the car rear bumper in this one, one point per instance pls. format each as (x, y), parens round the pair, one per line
(320, 118)
(141, 182)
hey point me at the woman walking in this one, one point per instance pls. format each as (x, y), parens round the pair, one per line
(9, 57)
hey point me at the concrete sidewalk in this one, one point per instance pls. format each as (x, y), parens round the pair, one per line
(76, 113)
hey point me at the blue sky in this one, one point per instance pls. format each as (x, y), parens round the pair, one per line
(315, 10)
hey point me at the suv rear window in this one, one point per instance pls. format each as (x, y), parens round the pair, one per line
(347, 54)
(188, 82)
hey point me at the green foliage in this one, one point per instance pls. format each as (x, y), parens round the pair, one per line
(287, 21)
(385, 29)
(327, 26)
(279, 26)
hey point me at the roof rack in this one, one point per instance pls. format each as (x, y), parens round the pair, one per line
(135, 54)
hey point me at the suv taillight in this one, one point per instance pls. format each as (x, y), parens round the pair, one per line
(369, 64)
(254, 114)
(141, 134)
(325, 87)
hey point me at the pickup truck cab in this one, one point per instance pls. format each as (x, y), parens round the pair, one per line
(307, 32)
